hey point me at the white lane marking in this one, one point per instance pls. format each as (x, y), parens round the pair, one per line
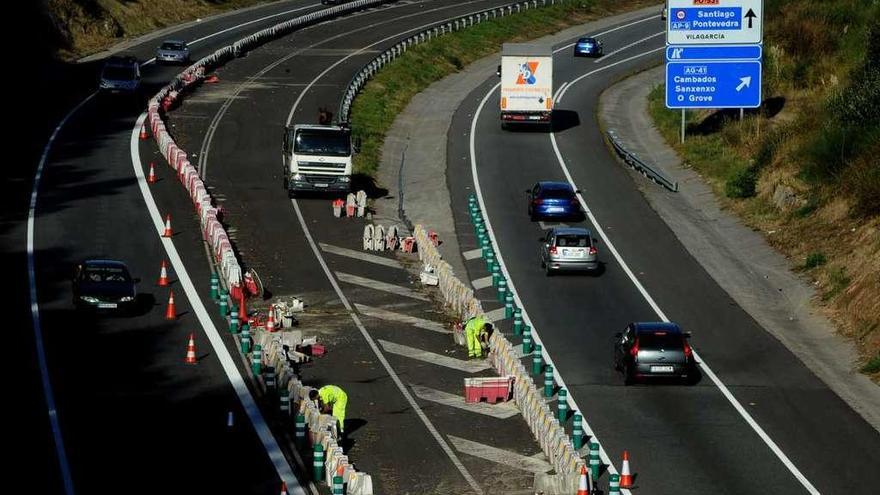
(384, 314)
(361, 50)
(533, 464)
(359, 255)
(379, 285)
(588, 430)
(434, 358)
(273, 450)
(618, 28)
(48, 394)
(482, 283)
(551, 225)
(400, 386)
(239, 26)
(472, 254)
(495, 314)
(501, 410)
(627, 47)
(600, 69)
(559, 89)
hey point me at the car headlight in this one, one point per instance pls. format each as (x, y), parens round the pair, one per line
(345, 178)
(297, 177)
(89, 299)
(105, 84)
(126, 299)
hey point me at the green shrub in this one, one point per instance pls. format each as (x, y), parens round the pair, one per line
(741, 183)
(814, 260)
(872, 366)
(838, 280)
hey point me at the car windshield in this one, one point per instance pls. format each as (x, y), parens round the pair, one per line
(572, 240)
(100, 274)
(660, 340)
(114, 73)
(557, 193)
(586, 41)
(172, 46)
(321, 142)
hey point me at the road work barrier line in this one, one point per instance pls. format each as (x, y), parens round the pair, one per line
(366, 335)
(276, 456)
(650, 300)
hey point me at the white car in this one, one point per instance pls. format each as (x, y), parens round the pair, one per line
(173, 52)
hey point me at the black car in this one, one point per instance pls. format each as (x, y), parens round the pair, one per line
(653, 349)
(103, 284)
(588, 47)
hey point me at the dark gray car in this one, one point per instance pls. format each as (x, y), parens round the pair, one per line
(173, 52)
(653, 349)
(568, 248)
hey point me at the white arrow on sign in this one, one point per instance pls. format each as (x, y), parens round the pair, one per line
(745, 81)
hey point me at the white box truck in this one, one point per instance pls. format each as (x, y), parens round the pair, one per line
(526, 84)
(317, 157)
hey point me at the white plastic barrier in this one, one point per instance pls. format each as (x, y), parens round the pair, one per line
(361, 201)
(379, 238)
(368, 237)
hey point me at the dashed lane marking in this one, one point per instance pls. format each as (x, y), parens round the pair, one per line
(384, 314)
(434, 358)
(378, 285)
(501, 410)
(533, 464)
(351, 253)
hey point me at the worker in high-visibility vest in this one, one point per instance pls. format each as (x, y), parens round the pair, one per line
(331, 399)
(477, 332)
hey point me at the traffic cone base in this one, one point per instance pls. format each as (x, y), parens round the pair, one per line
(626, 479)
(143, 133)
(171, 310)
(151, 177)
(191, 350)
(167, 232)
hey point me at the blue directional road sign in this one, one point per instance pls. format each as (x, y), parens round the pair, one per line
(714, 22)
(713, 84)
(676, 53)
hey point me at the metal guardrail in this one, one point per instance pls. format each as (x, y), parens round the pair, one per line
(361, 77)
(640, 165)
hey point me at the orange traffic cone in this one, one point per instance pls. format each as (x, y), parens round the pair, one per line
(167, 232)
(151, 178)
(163, 275)
(191, 350)
(143, 134)
(171, 311)
(270, 323)
(626, 479)
(583, 488)
(242, 309)
(284, 488)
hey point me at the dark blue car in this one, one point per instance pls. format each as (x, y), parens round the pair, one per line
(588, 47)
(549, 199)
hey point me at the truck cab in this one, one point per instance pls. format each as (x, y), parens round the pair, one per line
(317, 158)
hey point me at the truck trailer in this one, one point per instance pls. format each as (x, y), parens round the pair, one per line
(526, 84)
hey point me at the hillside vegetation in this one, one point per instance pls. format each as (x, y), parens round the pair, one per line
(805, 168)
(81, 27)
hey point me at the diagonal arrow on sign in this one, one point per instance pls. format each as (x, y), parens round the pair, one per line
(744, 83)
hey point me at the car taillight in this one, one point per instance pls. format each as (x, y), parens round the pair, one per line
(552, 249)
(593, 250)
(688, 352)
(634, 350)
(574, 201)
(537, 201)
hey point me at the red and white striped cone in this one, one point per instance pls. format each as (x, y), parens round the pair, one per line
(171, 310)
(270, 322)
(242, 309)
(191, 350)
(167, 232)
(284, 488)
(143, 133)
(163, 276)
(583, 488)
(626, 479)
(151, 177)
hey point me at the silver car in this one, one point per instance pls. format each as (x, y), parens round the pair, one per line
(173, 52)
(568, 248)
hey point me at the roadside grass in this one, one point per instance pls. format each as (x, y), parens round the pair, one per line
(804, 168)
(872, 366)
(389, 92)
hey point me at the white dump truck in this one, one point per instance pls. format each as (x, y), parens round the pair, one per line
(317, 157)
(526, 72)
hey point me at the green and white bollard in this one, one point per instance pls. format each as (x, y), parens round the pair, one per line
(318, 462)
(257, 360)
(269, 378)
(537, 360)
(300, 434)
(284, 401)
(338, 485)
(502, 290)
(496, 275)
(486, 246)
(490, 262)
(548, 381)
(517, 322)
(614, 484)
(224, 305)
(562, 406)
(479, 226)
(246, 342)
(577, 431)
(527, 341)
(508, 305)
(233, 321)
(595, 463)
(215, 286)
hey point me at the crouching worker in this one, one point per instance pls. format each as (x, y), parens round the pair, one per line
(331, 399)
(478, 331)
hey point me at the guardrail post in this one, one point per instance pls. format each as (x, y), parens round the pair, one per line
(548, 381)
(537, 360)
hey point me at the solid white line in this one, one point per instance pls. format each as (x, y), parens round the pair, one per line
(559, 89)
(400, 386)
(384, 314)
(634, 43)
(581, 77)
(434, 358)
(533, 464)
(472, 254)
(495, 315)
(382, 286)
(239, 26)
(359, 255)
(63, 464)
(618, 28)
(501, 410)
(276, 455)
(482, 283)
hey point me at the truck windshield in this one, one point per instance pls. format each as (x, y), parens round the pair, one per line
(321, 142)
